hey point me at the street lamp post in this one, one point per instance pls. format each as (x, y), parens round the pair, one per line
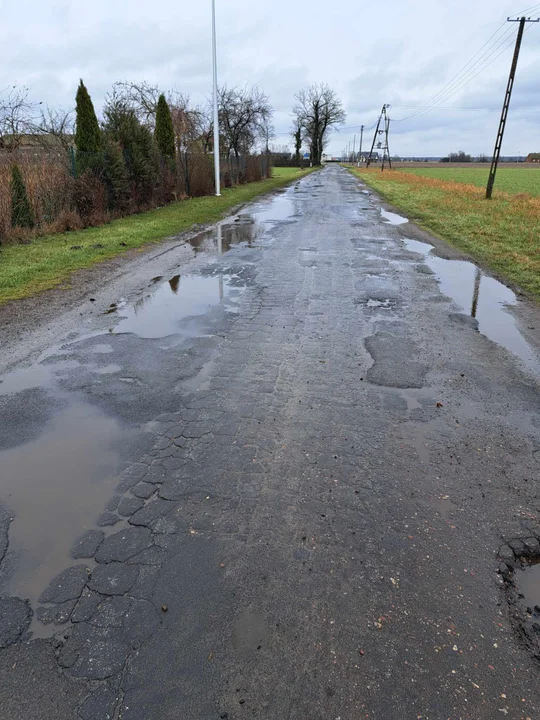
(216, 114)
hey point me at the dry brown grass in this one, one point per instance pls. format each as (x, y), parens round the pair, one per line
(61, 202)
(48, 184)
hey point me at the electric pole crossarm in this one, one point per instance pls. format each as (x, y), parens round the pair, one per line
(506, 106)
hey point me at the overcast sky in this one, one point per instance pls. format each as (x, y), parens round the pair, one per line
(371, 53)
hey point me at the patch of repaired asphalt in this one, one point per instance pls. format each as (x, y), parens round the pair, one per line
(393, 365)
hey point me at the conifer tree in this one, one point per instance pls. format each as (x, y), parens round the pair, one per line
(87, 132)
(164, 132)
(21, 212)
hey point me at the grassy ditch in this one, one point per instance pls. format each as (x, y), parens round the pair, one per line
(50, 260)
(502, 233)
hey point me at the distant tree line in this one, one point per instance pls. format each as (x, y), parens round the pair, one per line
(463, 157)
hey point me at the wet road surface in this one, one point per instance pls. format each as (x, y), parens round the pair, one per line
(272, 481)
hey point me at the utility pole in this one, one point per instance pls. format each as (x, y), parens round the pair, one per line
(354, 148)
(217, 170)
(378, 131)
(506, 105)
(360, 151)
(386, 148)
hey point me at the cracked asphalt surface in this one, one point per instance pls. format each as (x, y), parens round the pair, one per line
(291, 497)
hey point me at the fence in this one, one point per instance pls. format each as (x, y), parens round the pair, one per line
(68, 192)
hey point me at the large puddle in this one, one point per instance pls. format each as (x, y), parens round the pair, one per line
(56, 486)
(168, 309)
(245, 228)
(172, 307)
(483, 298)
(59, 455)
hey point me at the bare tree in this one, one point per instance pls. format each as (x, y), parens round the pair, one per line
(55, 128)
(318, 111)
(268, 132)
(243, 115)
(140, 97)
(17, 115)
(189, 124)
(206, 129)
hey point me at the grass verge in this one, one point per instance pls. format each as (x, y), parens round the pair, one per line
(502, 233)
(26, 270)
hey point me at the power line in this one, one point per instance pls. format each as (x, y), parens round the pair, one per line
(473, 77)
(466, 79)
(506, 103)
(529, 9)
(467, 70)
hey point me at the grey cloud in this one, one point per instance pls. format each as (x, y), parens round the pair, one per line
(401, 53)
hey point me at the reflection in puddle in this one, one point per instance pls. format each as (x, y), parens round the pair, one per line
(245, 228)
(35, 376)
(174, 282)
(61, 481)
(159, 314)
(393, 218)
(25, 379)
(482, 297)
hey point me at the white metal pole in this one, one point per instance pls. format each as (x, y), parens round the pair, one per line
(216, 114)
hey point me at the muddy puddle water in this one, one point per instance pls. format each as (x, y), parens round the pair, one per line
(483, 298)
(528, 584)
(55, 486)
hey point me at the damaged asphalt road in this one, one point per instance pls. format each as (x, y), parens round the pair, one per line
(271, 478)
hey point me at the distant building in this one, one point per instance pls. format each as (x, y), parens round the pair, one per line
(374, 157)
(29, 142)
(533, 157)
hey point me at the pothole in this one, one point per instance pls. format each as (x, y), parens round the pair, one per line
(378, 303)
(520, 570)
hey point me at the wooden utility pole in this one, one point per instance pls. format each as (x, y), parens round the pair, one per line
(386, 146)
(378, 131)
(360, 151)
(506, 105)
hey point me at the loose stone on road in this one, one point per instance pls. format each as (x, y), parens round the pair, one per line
(310, 467)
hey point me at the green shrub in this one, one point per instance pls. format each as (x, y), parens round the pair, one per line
(115, 175)
(140, 151)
